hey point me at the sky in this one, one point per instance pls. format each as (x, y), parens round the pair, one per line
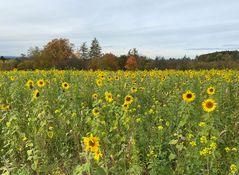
(169, 28)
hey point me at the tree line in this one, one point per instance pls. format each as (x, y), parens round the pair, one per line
(60, 54)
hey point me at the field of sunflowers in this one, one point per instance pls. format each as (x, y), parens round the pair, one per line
(119, 123)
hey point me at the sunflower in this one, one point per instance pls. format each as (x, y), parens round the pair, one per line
(209, 105)
(189, 96)
(134, 89)
(36, 94)
(109, 78)
(5, 106)
(211, 90)
(95, 96)
(95, 112)
(12, 78)
(117, 77)
(65, 85)
(108, 96)
(97, 155)
(125, 106)
(30, 84)
(128, 99)
(91, 143)
(99, 82)
(41, 83)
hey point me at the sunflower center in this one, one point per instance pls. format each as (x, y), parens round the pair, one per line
(211, 90)
(128, 99)
(65, 85)
(209, 104)
(40, 82)
(91, 143)
(189, 95)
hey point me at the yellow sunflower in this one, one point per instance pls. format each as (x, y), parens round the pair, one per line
(95, 96)
(209, 105)
(128, 99)
(95, 112)
(30, 84)
(134, 89)
(108, 96)
(211, 90)
(41, 83)
(65, 85)
(99, 82)
(117, 77)
(125, 106)
(91, 143)
(189, 96)
(36, 94)
(97, 155)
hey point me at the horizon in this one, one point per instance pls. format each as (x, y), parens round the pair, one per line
(155, 28)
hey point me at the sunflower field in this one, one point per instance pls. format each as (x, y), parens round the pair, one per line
(119, 123)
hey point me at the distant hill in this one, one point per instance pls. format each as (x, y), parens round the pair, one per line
(9, 57)
(219, 56)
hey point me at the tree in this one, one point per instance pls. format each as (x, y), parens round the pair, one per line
(133, 52)
(95, 49)
(58, 51)
(83, 52)
(109, 62)
(131, 63)
(3, 59)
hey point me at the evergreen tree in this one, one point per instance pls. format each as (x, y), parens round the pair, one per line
(133, 52)
(83, 52)
(95, 49)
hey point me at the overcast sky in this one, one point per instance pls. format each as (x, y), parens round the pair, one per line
(170, 28)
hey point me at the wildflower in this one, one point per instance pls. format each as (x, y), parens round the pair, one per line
(160, 127)
(193, 143)
(65, 85)
(117, 78)
(210, 90)
(233, 168)
(189, 96)
(190, 136)
(203, 139)
(202, 124)
(12, 78)
(227, 149)
(213, 146)
(97, 155)
(128, 99)
(95, 112)
(205, 152)
(99, 82)
(30, 84)
(125, 106)
(95, 96)
(209, 105)
(36, 94)
(133, 89)
(41, 83)
(91, 143)
(108, 96)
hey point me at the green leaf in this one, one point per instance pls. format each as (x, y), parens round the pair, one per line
(173, 142)
(172, 156)
(100, 171)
